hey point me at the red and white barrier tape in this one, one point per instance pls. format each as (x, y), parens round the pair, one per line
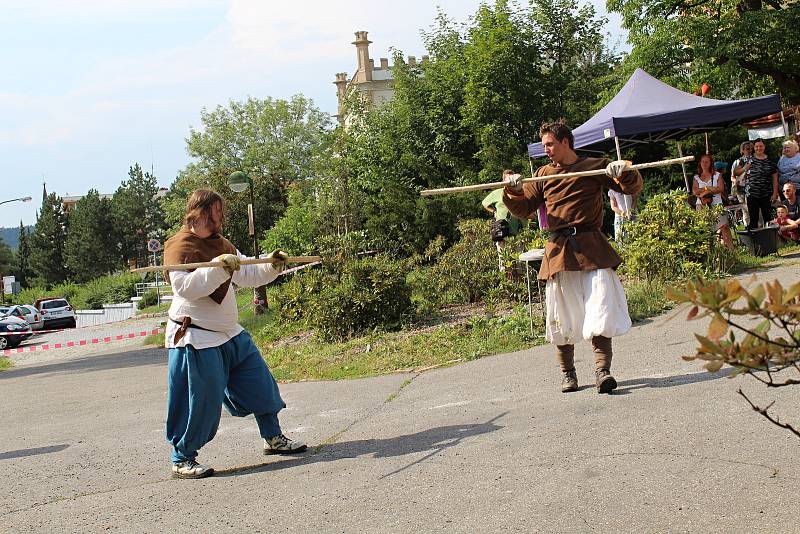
(16, 333)
(82, 342)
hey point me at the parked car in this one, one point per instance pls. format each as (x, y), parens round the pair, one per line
(56, 312)
(13, 331)
(27, 313)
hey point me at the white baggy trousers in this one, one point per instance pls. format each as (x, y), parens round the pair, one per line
(584, 304)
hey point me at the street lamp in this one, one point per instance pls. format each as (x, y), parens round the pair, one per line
(238, 182)
(2, 285)
(21, 199)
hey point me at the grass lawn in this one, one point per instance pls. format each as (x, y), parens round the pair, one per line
(293, 353)
(449, 339)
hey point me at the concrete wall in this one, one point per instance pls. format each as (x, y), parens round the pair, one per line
(110, 313)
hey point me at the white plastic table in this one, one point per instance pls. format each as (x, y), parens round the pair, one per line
(533, 259)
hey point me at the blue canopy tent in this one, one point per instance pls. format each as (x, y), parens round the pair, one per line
(647, 110)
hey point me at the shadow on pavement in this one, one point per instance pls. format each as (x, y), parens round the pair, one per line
(89, 364)
(22, 453)
(626, 386)
(433, 441)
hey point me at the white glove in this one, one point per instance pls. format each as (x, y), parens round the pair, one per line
(230, 262)
(513, 182)
(615, 169)
(280, 259)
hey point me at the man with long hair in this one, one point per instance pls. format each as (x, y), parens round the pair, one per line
(584, 297)
(213, 361)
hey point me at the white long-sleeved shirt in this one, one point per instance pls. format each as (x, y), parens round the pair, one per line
(190, 298)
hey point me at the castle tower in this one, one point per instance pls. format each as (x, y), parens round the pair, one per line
(364, 73)
(341, 89)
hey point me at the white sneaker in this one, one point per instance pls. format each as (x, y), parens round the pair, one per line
(191, 469)
(280, 444)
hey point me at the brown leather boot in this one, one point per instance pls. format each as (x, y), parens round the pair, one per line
(604, 381)
(569, 381)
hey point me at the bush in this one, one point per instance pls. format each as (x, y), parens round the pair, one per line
(671, 240)
(111, 289)
(371, 293)
(297, 298)
(467, 270)
(122, 289)
(149, 298)
(93, 295)
(347, 298)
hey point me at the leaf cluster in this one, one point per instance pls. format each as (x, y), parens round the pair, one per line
(768, 315)
(757, 331)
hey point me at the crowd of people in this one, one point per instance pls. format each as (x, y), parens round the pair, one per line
(766, 188)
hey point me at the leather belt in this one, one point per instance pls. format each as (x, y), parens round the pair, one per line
(569, 233)
(186, 323)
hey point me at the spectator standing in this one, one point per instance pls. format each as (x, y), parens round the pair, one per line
(624, 207)
(708, 187)
(738, 181)
(505, 224)
(761, 189)
(789, 164)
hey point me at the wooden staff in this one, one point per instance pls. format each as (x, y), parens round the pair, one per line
(596, 172)
(249, 261)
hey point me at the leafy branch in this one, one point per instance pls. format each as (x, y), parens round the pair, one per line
(755, 331)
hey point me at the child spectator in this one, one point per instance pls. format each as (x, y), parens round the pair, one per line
(788, 229)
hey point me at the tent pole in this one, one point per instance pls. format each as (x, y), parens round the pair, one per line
(683, 167)
(785, 126)
(619, 152)
(707, 147)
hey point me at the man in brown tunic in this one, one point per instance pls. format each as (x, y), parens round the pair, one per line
(584, 296)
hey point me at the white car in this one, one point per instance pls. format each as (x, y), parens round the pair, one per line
(27, 313)
(56, 312)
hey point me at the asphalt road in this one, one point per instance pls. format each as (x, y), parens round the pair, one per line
(489, 445)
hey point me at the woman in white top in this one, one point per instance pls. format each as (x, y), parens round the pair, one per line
(789, 164)
(708, 187)
(624, 207)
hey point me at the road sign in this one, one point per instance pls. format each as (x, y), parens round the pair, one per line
(8, 285)
(154, 245)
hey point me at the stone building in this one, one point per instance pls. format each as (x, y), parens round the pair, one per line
(375, 84)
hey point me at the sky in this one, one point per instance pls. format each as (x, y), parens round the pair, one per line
(90, 87)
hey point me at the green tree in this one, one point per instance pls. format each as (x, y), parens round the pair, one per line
(467, 113)
(504, 85)
(577, 59)
(22, 268)
(740, 47)
(6, 259)
(275, 142)
(137, 214)
(298, 229)
(47, 243)
(89, 251)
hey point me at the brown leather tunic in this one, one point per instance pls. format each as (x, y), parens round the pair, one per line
(573, 202)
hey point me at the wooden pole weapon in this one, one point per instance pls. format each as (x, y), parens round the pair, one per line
(596, 172)
(249, 261)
